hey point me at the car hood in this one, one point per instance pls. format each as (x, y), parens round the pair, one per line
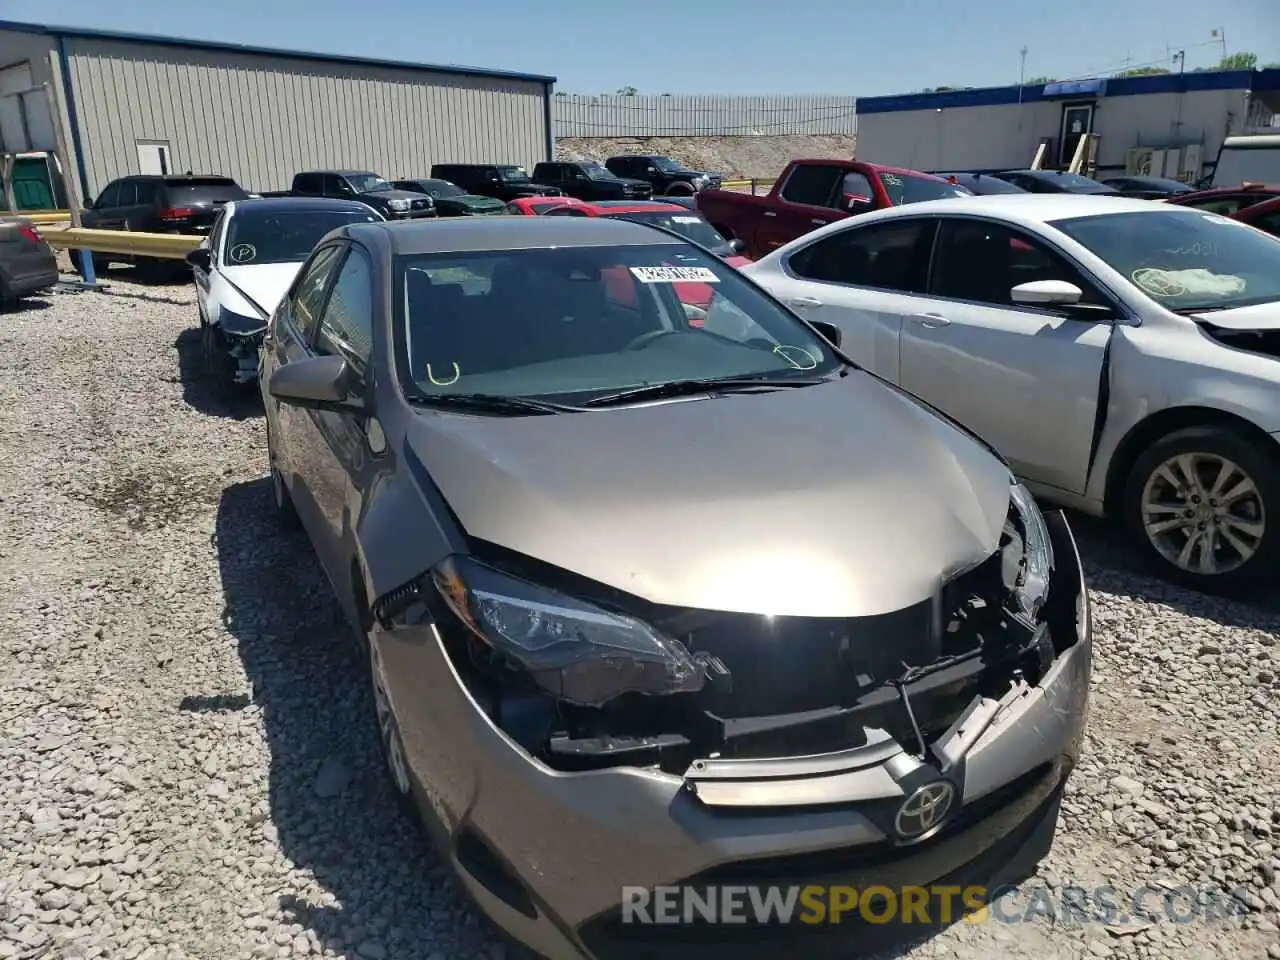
(263, 283)
(843, 499)
(471, 201)
(628, 181)
(1260, 316)
(396, 195)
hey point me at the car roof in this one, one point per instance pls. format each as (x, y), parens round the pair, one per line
(302, 204)
(479, 234)
(1020, 207)
(635, 206)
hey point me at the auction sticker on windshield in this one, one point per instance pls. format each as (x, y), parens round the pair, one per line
(675, 275)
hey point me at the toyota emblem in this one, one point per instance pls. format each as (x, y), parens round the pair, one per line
(925, 809)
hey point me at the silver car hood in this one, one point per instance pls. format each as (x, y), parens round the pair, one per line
(838, 500)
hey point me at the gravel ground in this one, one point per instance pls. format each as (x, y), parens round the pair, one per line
(185, 740)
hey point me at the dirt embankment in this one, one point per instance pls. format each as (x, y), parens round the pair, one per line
(745, 157)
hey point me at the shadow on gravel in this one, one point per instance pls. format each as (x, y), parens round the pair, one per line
(212, 392)
(24, 305)
(1113, 564)
(330, 801)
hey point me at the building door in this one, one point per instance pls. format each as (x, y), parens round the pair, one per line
(1077, 120)
(153, 158)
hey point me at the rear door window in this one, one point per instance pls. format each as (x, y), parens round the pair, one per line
(812, 184)
(884, 256)
(148, 190)
(128, 194)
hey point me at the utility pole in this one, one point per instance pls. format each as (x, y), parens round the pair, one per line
(1022, 72)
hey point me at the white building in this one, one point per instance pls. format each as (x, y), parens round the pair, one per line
(1164, 125)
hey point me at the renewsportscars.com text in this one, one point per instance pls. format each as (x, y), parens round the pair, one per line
(939, 904)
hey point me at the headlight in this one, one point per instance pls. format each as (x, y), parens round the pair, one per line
(577, 652)
(240, 325)
(399, 205)
(700, 181)
(1027, 553)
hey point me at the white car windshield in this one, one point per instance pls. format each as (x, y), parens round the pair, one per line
(1187, 260)
(254, 237)
(569, 323)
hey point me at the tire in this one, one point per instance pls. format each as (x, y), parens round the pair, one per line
(680, 190)
(1238, 533)
(286, 512)
(390, 743)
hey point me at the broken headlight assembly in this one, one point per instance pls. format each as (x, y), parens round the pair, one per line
(574, 651)
(1026, 554)
(237, 326)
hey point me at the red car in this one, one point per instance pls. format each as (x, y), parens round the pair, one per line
(535, 206)
(1228, 201)
(669, 216)
(1264, 215)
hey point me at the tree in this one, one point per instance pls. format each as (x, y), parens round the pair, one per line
(627, 91)
(1040, 81)
(1143, 72)
(561, 93)
(1239, 61)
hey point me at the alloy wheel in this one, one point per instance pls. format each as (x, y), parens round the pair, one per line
(1203, 513)
(388, 730)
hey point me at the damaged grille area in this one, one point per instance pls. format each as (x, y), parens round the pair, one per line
(777, 687)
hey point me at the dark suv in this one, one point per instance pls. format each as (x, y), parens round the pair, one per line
(588, 180)
(503, 181)
(158, 204)
(666, 176)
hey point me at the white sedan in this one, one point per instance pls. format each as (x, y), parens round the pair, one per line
(1123, 355)
(246, 264)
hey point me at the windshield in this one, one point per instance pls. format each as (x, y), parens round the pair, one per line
(282, 237)
(366, 182)
(1081, 184)
(904, 188)
(513, 174)
(990, 185)
(666, 164)
(570, 323)
(1186, 260)
(442, 189)
(597, 172)
(686, 224)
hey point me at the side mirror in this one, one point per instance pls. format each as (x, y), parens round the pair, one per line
(737, 244)
(321, 383)
(830, 332)
(201, 258)
(1042, 293)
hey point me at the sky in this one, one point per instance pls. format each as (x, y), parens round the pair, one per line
(842, 47)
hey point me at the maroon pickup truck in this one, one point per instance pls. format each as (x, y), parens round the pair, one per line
(811, 194)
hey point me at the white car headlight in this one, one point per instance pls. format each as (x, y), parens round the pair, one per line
(398, 205)
(1027, 553)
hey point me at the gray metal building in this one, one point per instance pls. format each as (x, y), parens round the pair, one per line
(140, 104)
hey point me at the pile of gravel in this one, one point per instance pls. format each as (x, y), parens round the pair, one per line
(186, 746)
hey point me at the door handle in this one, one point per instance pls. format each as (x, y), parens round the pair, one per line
(770, 213)
(818, 223)
(803, 303)
(931, 320)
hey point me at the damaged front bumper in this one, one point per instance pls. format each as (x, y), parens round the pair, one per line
(244, 351)
(546, 853)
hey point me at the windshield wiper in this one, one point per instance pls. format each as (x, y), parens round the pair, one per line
(680, 388)
(492, 403)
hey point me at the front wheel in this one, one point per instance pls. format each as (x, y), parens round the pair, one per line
(1204, 506)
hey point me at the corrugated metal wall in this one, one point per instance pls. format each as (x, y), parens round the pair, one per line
(261, 119)
(586, 115)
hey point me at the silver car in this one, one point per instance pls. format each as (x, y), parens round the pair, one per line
(1124, 355)
(656, 587)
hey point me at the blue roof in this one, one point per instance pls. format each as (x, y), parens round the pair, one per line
(93, 34)
(1256, 80)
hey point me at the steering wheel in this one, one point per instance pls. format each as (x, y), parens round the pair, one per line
(642, 341)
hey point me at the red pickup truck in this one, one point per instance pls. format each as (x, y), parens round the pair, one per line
(811, 194)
